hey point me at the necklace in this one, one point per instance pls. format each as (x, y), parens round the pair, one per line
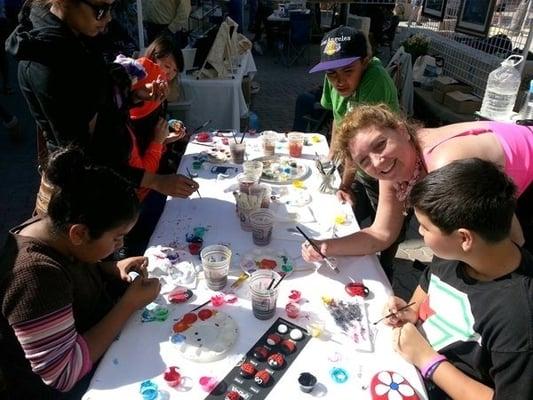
(403, 189)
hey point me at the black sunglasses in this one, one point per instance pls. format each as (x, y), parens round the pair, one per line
(101, 10)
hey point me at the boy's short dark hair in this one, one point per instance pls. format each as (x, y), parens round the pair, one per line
(473, 194)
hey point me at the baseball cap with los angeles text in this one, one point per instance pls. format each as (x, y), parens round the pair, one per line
(341, 47)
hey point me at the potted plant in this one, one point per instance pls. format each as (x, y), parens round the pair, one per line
(416, 45)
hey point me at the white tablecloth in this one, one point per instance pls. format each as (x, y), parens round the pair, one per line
(143, 350)
(220, 100)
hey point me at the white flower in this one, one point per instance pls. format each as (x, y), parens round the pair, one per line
(392, 385)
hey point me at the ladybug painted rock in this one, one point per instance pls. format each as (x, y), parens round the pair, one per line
(276, 361)
(391, 385)
(247, 370)
(273, 339)
(233, 395)
(260, 353)
(288, 346)
(262, 378)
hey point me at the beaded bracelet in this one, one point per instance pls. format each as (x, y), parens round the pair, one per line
(430, 367)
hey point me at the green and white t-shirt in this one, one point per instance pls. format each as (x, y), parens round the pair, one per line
(376, 86)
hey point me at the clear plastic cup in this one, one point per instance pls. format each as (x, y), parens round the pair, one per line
(264, 299)
(216, 261)
(269, 139)
(237, 151)
(246, 182)
(261, 222)
(253, 169)
(296, 143)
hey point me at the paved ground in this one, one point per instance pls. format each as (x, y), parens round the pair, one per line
(274, 104)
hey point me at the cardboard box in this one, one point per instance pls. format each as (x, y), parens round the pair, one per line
(462, 103)
(445, 84)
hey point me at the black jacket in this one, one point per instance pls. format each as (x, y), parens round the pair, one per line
(66, 84)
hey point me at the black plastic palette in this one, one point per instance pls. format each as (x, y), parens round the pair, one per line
(272, 354)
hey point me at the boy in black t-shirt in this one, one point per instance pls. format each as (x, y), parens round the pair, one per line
(470, 330)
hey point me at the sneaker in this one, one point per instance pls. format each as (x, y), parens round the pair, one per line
(258, 49)
(11, 123)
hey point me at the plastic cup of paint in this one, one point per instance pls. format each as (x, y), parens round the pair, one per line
(172, 377)
(316, 328)
(149, 390)
(269, 139)
(307, 382)
(237, 151)
(262, 223)
(264, 293)
(296, 143)
(216, 262)
(292, 309)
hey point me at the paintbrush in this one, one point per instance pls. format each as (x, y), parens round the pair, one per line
(191, 177)
(278, 282)
(315, 246)
(201, 126)
(242, 277)
(393, 313)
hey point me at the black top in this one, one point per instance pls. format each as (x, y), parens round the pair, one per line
(484, 328)
(66, 83)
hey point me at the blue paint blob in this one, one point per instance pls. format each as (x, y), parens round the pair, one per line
(339, 375)
(394, 386)
(177, 338)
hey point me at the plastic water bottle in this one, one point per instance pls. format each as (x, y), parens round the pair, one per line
(501, 91)
(527, 109)
(253, 121)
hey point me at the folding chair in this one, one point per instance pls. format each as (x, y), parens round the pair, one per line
(299, 37)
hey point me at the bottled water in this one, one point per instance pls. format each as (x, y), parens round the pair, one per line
(500, 93)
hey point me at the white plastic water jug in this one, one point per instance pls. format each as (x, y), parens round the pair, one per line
(501, 91)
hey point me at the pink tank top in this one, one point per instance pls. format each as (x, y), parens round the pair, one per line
(517, 145)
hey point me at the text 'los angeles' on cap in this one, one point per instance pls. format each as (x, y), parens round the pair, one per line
(341, 47)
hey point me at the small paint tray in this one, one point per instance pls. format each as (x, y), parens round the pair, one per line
(274, 343)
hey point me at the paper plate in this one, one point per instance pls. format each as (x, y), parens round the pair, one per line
(204, 336)
(283, 170)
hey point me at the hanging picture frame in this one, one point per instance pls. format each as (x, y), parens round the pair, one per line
(474, 17)
(434, 9)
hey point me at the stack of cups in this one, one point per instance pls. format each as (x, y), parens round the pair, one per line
(245, 205)
(237, 151)
(296, 143)
(263, 191)
(264, 293)
(261, 222)
(216, 262)
(269, 139)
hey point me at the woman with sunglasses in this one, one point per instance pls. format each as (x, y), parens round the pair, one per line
(74, 96)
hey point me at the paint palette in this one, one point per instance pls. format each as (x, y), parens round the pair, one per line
(266, 259)
(204, 336)
(283, 170)
(264, 364)
(351, 320)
